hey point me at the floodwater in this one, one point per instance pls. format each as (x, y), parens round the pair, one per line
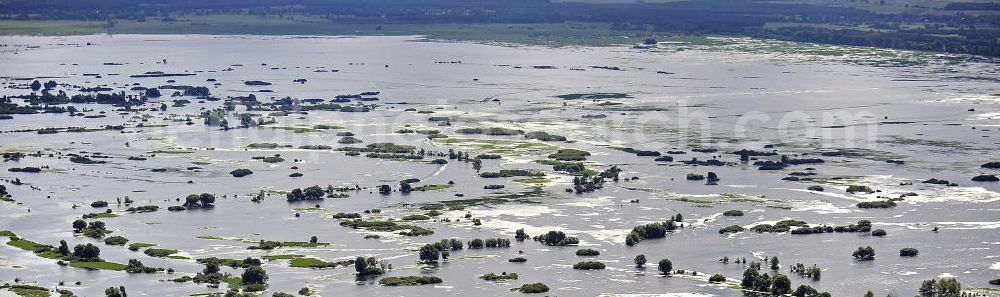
(941, 115)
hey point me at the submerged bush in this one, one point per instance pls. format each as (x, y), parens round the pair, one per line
(733, 213)
(731, 229)
(533, 288)
(409, 280)
(717, 278)
(908, 252)
(588, 265)
(241, 172)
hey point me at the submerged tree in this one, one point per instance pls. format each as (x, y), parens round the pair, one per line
(254, 275)
(665, 266)
(429, 254)
(864, 253)
(640, 261)
(369, 266)
(115, 292)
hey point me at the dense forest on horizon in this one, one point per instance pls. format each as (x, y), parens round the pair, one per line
(967, 28)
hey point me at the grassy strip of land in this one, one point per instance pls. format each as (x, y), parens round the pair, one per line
(139, 245)
(100, 215)
(432, 187)
(26, 290)
(409, 280)
(99, 265)
(555, 34)
(160, 253)
(280, 257)
(47, 252)
(309, 262)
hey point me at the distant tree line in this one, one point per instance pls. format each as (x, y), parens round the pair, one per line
(970, 33)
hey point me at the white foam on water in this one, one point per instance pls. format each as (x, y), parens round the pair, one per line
(771, 222)
(657, 295)
(704, 221)
(819, 207)
(945, 225)
(519, 211)
(592, 202)
(828, 194)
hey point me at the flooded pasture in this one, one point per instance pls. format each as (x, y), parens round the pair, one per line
(888, 122)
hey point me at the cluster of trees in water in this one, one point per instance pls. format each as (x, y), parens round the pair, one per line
(253, 279)
(587, 183)
(756, 283)
(556, 238)
(94, 229)
(370, 266)
(653, 230)
(960, 32)
(802, 227)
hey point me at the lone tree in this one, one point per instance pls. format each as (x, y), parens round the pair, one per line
(79, 225)
(254, 275)
(665, 266)
(640, 261)
(63, 248)
(429, 254)
(780, 285)
(864, 254)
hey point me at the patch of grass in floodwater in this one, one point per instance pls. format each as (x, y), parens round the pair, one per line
(139, 245)
(685, 199)
(387, 226)
(99, 265)
(533, 180)
(26, 290)
(327, 127)
(161, 253)
(296, 129)
(210, 237)
(24, 244)
(498, 146)
(235, 283)
(309, 262)
(100, 215)
(432, 187)
(304, 244)
(594, 96)
(280, 257)
(32, 246)
(170, 152)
